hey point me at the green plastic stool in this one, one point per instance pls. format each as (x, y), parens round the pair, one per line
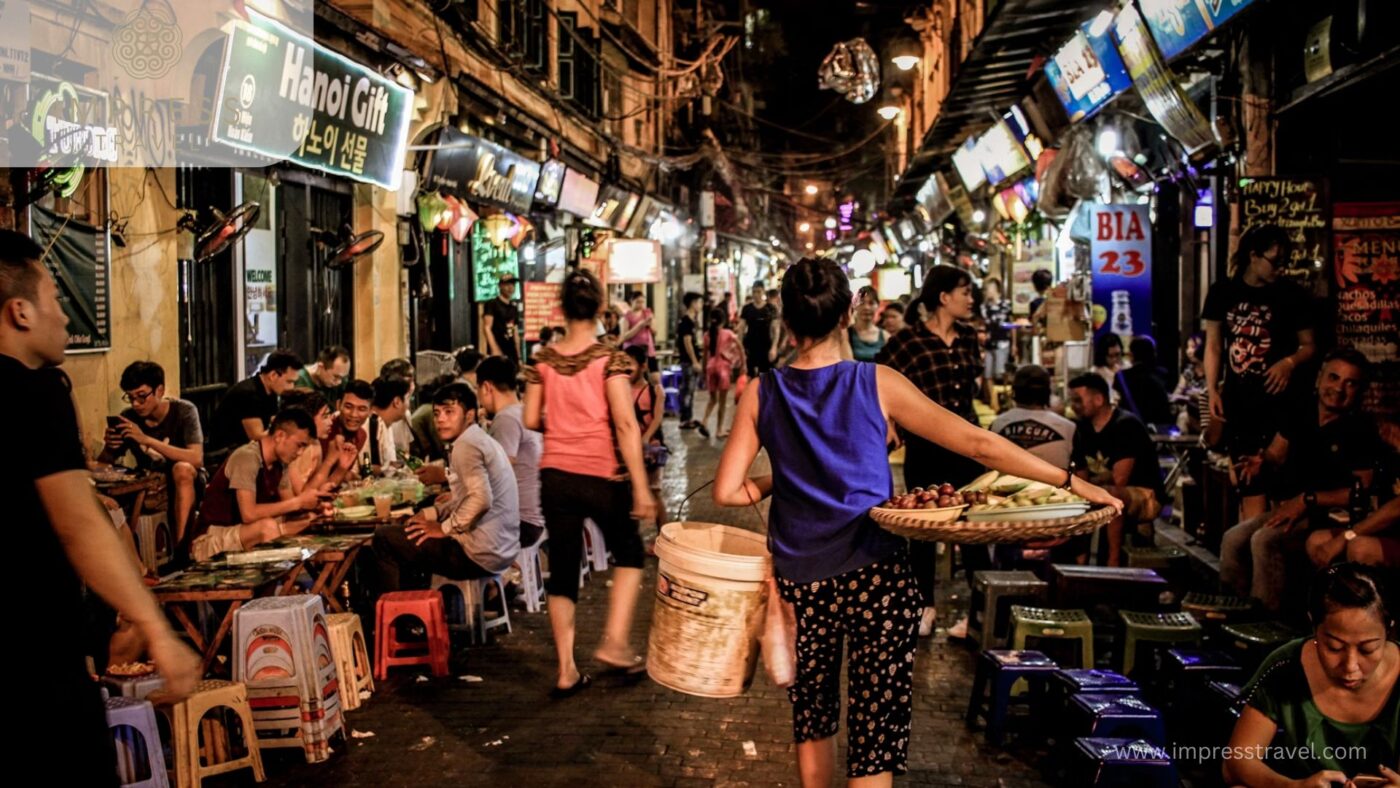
(1047, 624)
(1217, 608)
(1252, 641)
(1155, 628)
(1154, 557)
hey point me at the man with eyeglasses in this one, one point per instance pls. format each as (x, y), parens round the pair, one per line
(161, 433)
(1258, 332)
(328, 375)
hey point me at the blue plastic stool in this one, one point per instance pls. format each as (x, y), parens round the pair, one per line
(1066, 683)
(673, 400)
(1185, 673)
(997, 671)
(1115, 715)
(1121, 763)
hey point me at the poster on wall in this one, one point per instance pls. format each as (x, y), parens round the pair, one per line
(77, 259)
(1120, 248)
(1367, 274)
(490, 261)
(1300, 207)
(543, 306)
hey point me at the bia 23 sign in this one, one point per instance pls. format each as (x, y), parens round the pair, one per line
(285, 96)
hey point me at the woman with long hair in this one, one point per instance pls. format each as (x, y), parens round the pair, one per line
(723, 353)
(941, 356)
(578, 394)
(825, 423)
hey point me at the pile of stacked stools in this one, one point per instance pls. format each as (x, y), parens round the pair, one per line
(282, 652)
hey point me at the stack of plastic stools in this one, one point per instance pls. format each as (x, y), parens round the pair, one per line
(997, 672)
(464, 602)
(140, 757)
(993, 593)
(532, 576)
(212, 753)
(352, 666)
(1040, 628)
(282, 652)
(1185, 674)
(595, 548)
(1252, 641)
(1154, 628)
(1121, 763)
(1116, 715)
(389, 652)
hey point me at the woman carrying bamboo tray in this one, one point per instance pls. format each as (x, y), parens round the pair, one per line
(825, 423)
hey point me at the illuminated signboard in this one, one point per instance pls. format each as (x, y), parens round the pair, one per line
(969, 165)
(1000, 154)
(1177, 24)
(1087, 72)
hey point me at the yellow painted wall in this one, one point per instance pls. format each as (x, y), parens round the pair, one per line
(144, 317)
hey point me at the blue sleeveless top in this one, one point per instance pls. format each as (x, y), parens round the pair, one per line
(825, 436)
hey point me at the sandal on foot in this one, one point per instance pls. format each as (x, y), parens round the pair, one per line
(634, 667)
(583, 683)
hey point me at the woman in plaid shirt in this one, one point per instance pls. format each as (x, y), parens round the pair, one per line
(942, 357)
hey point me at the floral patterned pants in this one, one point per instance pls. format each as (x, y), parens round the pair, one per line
(873, 612)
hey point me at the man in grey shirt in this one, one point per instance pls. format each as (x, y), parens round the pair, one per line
(500, 398)
(1031, 424)
(474, 530)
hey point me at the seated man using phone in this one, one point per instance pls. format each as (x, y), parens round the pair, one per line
(251, 493)
(161, 433)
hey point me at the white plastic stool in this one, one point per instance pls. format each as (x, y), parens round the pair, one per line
(595, 547)
(532, 576)
(473, 593)
(137, 739)
(153, 539)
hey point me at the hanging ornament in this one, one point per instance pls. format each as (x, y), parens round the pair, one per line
(462, 222)
(450, 207)
(430, 208)
(851, 69)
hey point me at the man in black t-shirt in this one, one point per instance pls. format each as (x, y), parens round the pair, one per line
(1113, 449)
(249, 405)
(1320, 452)
(64, 538)
(688, 345)
(500, 322)
(1258, 333)
(758, 329)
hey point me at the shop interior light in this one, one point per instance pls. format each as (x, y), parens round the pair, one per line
(888, 111)
(830, 223)
(1204, 216)
(811, 189)
(979, 216)
(527, 252)
(862, 262)
(905, 62)
(805, 227)
(1100, 24)
(811, 246)
(925, 246)
(1108, 142)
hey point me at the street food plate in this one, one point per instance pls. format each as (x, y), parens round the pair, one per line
(1048, 511)
(941, 515)
(270, 556)
(354, 513)
(110, 474)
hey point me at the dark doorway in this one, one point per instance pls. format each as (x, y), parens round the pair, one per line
(316, 304)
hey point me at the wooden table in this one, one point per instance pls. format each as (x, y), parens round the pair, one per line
(332, 555)
(137, 486)
(217, 582)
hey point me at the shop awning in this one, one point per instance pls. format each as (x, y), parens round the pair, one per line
(993, 77)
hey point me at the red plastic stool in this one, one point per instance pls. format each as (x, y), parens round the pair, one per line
(427, 607)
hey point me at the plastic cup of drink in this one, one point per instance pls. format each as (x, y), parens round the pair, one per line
(382, 503)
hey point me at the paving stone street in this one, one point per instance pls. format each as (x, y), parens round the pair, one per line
(504, 730)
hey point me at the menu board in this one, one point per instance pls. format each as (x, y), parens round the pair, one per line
(1299, 206)
(1367, 275)
(77, 260)
(544, 306)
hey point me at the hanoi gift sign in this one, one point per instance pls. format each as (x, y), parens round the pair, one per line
(285, 96)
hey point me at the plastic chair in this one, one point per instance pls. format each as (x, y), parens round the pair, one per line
(1140, 628)
(993, 593)
(464, 604)
(1165, 558)
(595, 548)
(188, 717)
(997, 672)
(1253, 641)
(532, 576)
(1115, 763)
(1044, 624)
(1115, 715)
(140, 756)
(352, 663)
(1217, 608)
(389, 652)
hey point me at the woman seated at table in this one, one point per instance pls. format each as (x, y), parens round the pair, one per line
(1325, 709)
(322, 456)
(251, 492)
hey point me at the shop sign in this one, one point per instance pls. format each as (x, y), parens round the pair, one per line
(472, 168)
(1000, 154)
(933, 196)
(1177, 24)
(579, 194)
(1086, 73)
(71, 124)
(78, 261)
(551, 182)
(490, 261)
(543, 306)
(615, 208)
(969, 165)
(632, 262)
(1121, 257)
(285, 96)
(1367, 275)
(1169, 105)
(1299, 207)
(14, 40)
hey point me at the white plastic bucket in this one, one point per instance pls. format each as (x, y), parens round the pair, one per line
(709, 608)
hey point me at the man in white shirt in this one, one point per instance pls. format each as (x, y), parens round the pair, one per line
(500, 398)
(474, 530)
(389, 407)
(1031, 424)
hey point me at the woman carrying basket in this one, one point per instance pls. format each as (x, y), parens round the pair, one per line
(826, 424)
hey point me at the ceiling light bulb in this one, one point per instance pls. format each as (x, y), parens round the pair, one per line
(979, 216)
(811, 189)
(804, 227)
(830, 223)
(1108, 141)
(905, 62)
(888, 112)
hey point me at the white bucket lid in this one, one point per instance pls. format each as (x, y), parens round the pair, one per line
(715, 550)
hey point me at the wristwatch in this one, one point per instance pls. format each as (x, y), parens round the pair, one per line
(1069, 477)
(1348, 534)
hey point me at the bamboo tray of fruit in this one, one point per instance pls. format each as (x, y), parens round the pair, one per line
(999, 509)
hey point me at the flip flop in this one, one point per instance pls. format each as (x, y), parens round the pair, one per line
(583, 683)
(636, 667)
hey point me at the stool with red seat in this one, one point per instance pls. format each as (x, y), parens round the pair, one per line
(427, 607)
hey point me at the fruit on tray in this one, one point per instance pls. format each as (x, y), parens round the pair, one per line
(943, 496)
(1047, 497)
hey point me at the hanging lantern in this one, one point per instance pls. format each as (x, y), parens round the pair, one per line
(430, 208)
(462, 222)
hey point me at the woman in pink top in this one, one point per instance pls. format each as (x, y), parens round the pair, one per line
(725, 352)
(579, 395)
(637, 332)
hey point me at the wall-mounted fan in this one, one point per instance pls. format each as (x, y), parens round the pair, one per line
(347, 246)
(216, 236)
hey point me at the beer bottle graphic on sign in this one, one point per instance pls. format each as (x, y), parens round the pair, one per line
(1121, 315)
